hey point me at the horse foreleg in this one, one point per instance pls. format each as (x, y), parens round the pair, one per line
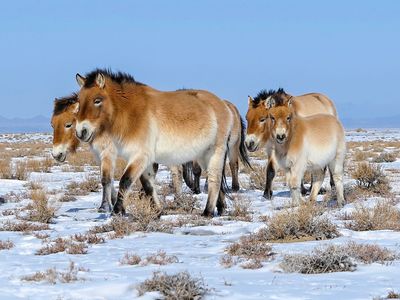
(269, 178)
(197, 176)
(107, 173)
(132, 172)
(176, 174)
(318, 178)
(234, 166)
(294, 179)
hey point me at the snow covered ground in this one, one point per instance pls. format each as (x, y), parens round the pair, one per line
(198, 249)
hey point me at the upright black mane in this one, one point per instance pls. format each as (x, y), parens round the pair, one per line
(264, 94)
(61, 104)
(118, 77)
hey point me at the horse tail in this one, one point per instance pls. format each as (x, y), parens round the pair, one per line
(244, 157)
(224, 184)
(187, 173)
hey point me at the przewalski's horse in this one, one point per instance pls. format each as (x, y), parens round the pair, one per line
(258, 134)
(151, 126)
(307, 143)
(65, 141)
(236, 150)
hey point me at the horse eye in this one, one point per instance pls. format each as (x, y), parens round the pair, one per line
(289, 119)
(97, 101)
(263, 119)
(68, 125)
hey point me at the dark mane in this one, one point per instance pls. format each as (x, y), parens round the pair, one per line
(61, 104)
(118, 77)
(264, 94)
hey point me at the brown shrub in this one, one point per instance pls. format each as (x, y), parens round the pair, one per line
(227, 261)
(173, 287)
(321, 260)
(130, 259)
(89, 238)
(252, 264)
(88, 185)
(21, 170)
(241, 209)
(257, 176)
(61, 245)
(385, 157)
(382, 216)
(23, 226)
(160, 258)
(39, 210)
(5, 168)
(302, 223)
(53, 276)
(360, 155)
(369, 253)
(6, 245)
(370, 176)
(82, 158)
(183, 203)
(251, 247)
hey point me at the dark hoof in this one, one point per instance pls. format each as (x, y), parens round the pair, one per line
(102, 210)
(207, 214)
(268, 195)
(235, 188)
(304, 192)
(196, 191)
(119, 210)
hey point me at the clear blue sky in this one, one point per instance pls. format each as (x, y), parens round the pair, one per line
(349, 50)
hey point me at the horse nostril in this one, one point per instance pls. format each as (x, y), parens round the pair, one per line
(280, 137)
(250, 144)
(84, 132)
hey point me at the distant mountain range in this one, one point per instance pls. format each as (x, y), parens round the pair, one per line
(42, 124)
(25, 125)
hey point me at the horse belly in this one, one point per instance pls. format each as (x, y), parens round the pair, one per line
(320, 157)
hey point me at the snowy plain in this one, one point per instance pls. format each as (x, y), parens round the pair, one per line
(198, 249)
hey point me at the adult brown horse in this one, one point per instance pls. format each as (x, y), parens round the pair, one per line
(258, 133)
(65, 141)
(150, 126)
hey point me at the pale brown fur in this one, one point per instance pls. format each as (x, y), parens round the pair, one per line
(150, 126)
(307, 143)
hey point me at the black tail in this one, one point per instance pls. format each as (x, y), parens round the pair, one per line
(224, 184)
(244, 157)
(187, 173)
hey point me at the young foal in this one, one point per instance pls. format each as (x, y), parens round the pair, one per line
(307, 143)
(150, 126)
(236, 150)
(258, 134)
(65, 141)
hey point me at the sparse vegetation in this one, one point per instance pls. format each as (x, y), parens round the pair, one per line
(183, 204)
(39, 210)
(257, 176)
(241, 209)
(305, 222)
(22, 226)
(61, 245)
(385, 157)
(54, 276)
(369, 253)
(6, 245)
(88, 185)
(173, 287)
(160, 258)
(371, 177)
(382, 216)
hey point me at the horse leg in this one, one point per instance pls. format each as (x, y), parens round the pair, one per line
(336, 167)
(294, 177)
(176, 174)
(132, 172)
(215, 192)
(234, 166)
(318, 178)
(147, 180)
(197, 174)
(269, 179)
(304, 190)
(106, 170)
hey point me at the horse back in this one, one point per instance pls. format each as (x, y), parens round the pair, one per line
(314, 103)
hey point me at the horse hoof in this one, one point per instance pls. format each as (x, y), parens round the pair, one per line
(235, 188)
(102, 210)
(196, 191)
(207, 214)
(268, 195)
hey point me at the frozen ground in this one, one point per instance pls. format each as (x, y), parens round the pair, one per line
(198, 249)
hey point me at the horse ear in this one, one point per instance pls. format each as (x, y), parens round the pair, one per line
(269, 102)
(250, 100)
(290, 101)
(75, 108)
(80, 79)
(100, 80)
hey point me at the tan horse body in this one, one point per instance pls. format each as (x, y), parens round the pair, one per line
(307, 143)
(150, 126)
(258, 133)
(65, 141)
(236, 151)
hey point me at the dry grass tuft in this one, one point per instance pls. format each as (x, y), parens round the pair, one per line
(385, 157)
(6, 245)
(61, 245)
(130, 259)
(370, 253)
(241, 209)
(160, 258)
(257, 176)
(251, 247)
(321, 260)
(5, 168)
(39, 210)
(305, 222)
(173, 287)
(23, 226)
(183, 204)
(382, 216)
(53, 276)
(88, 185)
(371, 177)
(89, 238)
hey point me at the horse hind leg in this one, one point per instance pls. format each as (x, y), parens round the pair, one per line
(234, 166)
(147, 180)
(269, 178)
(337, 174)
(318, 178)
